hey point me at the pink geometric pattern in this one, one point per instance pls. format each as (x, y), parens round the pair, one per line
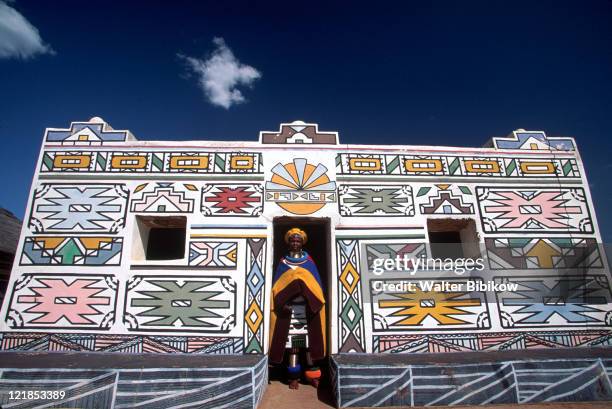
(535, 209)
(50, 301)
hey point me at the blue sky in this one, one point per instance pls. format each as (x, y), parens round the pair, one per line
(438, 73)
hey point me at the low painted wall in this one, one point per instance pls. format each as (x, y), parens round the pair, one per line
(106, 381)
(476, 379)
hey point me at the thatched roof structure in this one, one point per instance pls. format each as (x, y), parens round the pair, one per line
(10, 226)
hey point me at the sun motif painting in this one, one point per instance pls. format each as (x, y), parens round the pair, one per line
(300, 187)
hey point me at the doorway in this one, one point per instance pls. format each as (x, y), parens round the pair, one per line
(318, 245)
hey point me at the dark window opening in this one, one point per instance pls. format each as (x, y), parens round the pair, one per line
(163, 238)
(453, 238)
(166, 244)
(445, 244)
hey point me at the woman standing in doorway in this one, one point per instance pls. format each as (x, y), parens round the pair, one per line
(297, 290)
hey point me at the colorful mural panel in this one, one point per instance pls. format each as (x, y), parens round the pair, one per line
(299, 132)
(213, 254)
(180, 303)
(86, 251)
(451, 165)
(300, 187)
(152, 162)
(75, 208)
(86, 133)
(534, 140)
(254, 300)
(69, 301)
(445, 199)
(381, 201)
(406, 307)
(163, 198)
(237, 199)
(546, 253)
(540, 301)
(351, 327)
(534, 209)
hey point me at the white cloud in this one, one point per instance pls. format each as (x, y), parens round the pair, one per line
(220, 74)
(19, 38)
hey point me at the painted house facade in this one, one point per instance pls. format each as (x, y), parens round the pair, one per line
(169, 247)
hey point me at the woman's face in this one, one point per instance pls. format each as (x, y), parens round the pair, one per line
(295, 243)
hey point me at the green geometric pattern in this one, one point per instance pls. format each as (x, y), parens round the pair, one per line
(351, 314)
(359, 200)
(179, 303)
